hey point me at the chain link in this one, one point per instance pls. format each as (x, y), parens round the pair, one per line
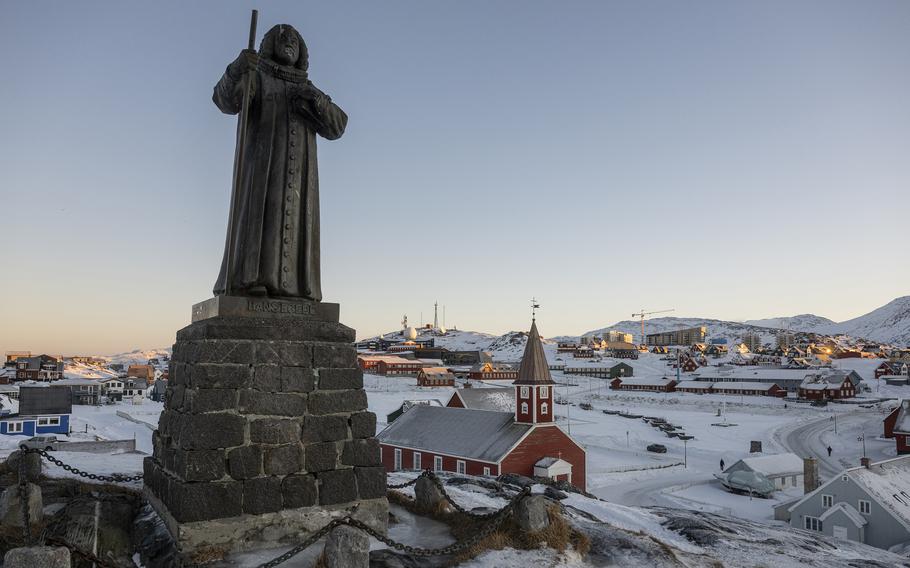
(302, 546)
(489, 528)
(116, 478)
(438, 483)
(408, 483)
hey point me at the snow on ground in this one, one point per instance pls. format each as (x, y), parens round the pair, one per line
(74, 370)
(102, 423)
(139, 356)
(620, 468)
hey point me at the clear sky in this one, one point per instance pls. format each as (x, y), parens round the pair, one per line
(727, 159)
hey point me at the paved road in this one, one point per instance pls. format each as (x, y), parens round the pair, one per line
(806, 440)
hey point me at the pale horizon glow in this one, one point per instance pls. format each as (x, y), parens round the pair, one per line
(732, 161)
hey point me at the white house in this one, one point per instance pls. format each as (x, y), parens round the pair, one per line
(784, 470)
(112, 388)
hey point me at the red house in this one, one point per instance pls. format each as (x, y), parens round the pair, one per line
(487, 442)
(435, 377)
(829, 387)
(902, 427)
(890, 421)
(890, 368)
(749, 389)
(493, 372)
(651, 385)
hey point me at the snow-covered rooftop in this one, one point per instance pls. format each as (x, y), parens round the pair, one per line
(848, 510)
(739, 385)
(499, 399)
(889, 483)
(476, 434)
(775, 465)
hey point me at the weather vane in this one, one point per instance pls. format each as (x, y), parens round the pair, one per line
(534, 307)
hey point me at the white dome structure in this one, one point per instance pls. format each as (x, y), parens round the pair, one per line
(410, 333)
(442, 331)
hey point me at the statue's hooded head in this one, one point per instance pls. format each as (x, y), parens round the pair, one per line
(284, 45)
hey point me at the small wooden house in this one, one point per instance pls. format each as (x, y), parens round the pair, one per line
(435, 377)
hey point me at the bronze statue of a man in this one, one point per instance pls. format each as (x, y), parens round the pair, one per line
(273, 239)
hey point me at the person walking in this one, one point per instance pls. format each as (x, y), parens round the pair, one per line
(721, 464)
(829, 451)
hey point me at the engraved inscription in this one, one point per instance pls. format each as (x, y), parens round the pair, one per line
(279, 307)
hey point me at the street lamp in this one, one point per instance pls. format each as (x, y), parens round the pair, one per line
(686, 454)
(862, 438)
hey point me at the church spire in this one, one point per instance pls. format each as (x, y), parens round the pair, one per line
(534, 369)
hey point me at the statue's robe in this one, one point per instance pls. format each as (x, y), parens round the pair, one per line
(275, 232)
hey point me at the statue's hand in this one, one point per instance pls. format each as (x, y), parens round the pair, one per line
(309, 94)
(246, 61)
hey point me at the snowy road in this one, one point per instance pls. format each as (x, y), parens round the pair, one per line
(649, 492)
(813, 439)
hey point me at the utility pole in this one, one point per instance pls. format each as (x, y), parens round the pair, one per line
(686, 454)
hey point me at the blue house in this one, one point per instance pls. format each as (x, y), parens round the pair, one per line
(42, 410)
(18, 425)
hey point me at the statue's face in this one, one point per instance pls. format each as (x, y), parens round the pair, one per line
(288, 48)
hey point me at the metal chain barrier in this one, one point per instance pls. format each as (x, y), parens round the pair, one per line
(408, 483)
(439, 485)
(93, 476)
(303, 545)
(497, 519)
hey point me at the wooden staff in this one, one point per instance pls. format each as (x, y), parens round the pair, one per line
(238, 159)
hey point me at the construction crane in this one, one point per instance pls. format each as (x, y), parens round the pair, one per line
(644, 314)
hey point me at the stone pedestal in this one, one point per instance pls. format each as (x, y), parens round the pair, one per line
(265, 434)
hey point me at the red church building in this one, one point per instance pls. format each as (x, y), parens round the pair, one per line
(488, 442)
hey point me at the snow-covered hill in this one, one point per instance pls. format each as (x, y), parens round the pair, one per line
(888, 324)
(507, 347)
(716, 329)
(653, 537)
(803, 322)
(139, 356)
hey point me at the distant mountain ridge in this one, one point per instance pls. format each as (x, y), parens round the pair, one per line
(887, 324)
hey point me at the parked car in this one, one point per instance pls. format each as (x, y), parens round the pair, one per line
(747, 482)
(657, 448)
(47, 443)
(586, 406)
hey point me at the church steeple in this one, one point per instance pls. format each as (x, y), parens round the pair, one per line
(533, 393)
